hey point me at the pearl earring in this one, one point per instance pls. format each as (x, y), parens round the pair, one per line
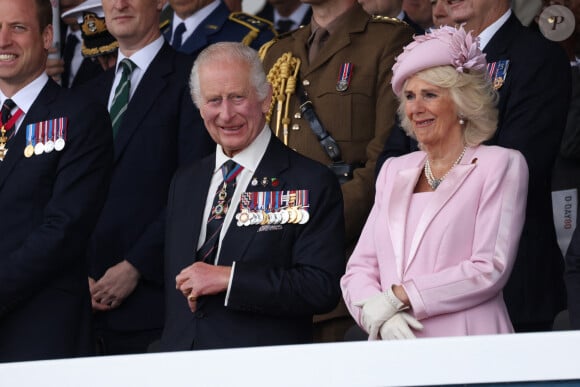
(461, 120)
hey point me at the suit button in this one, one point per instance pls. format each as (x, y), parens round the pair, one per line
(200, 314)
(306, 82)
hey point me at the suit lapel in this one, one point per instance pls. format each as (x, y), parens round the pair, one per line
(198, 187)
(149, 90)
(499, 45)
(404, 182)
(238, 239)
(439, 198)
(499, 48)
(39, 111)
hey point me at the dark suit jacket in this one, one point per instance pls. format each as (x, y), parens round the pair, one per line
(416, 27)
(89, 69)
(532, 114)
(282, 276)
(218, 28)
(49, 205)
(161, 129)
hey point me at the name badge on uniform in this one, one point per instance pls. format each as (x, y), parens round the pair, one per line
(498, 72)
(344, 76)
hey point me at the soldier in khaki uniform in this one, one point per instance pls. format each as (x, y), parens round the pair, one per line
(348, 83)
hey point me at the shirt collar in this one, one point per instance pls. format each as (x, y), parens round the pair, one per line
(193, 21)
(26, 96)
(297, 16)
(337, 24)
(486, 35)
(250, 157)
(144, 56)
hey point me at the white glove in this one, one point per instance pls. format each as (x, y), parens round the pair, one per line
(376, 310)
(399, 327)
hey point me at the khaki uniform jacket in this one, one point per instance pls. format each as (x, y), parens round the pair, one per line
(360, 117)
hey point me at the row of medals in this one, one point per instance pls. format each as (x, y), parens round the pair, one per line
(292, 215)
(47, 147)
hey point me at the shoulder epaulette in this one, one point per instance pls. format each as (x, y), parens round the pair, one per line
(386, 19)
(254, 23)
(265, 47)
(251, 21)
(164, 24)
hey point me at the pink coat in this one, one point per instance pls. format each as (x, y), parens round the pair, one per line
(462, 250)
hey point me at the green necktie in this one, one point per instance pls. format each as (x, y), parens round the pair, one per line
(121, 97)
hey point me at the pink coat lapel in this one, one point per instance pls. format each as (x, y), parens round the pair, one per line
(403, 184)
(398, 205)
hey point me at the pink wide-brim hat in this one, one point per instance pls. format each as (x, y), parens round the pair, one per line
(439, 47)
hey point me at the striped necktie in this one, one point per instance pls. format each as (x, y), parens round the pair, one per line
(122, 93)
(7, 107)
(207, 252)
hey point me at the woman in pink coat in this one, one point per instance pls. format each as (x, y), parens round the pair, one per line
(441, 239)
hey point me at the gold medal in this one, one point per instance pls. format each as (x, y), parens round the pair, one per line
(28, 151)
(291, 215)
(3, 141)
(265, 218)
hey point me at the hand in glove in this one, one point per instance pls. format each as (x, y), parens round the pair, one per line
(399, 327)
(376, 310)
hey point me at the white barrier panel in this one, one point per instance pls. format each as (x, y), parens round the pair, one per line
(483, 359)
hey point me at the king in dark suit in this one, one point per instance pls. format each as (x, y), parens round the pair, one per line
(56, 152)
(277, 255)
(159, 130)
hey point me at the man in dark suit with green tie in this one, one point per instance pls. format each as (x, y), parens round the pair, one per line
(156, 129)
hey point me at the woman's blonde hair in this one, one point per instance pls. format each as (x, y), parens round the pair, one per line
(474, 98)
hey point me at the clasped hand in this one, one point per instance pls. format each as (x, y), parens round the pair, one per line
(201, 279)
(377, 309)
(118, 282)
(399, 327)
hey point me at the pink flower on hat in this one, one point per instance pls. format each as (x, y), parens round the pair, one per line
(439, 47)
(465, 50)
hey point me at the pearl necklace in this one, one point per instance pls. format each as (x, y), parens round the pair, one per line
(434, 182)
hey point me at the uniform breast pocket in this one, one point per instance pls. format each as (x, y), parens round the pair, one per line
(35, 175)
(349, 114)
(272, 242)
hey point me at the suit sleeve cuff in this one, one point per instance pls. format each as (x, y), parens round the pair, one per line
(230, 283)
(415, 300)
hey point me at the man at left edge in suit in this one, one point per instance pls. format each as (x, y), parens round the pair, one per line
(259, 278)
(159, 130)
(53, 182)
